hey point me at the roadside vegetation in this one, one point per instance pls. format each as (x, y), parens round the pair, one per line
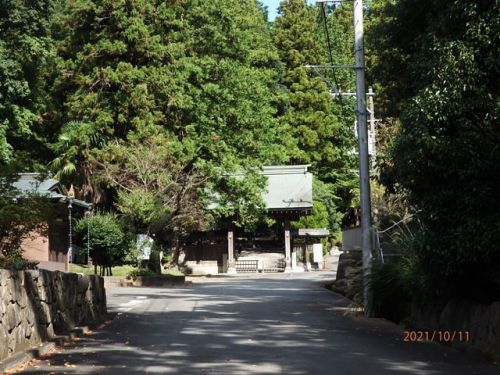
(124, 270)
(148, 108)
(435, 67)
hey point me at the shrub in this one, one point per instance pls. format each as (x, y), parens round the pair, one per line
(154, 263)
(108, 241)
(141, 272)
(399, 281)
(391, 297)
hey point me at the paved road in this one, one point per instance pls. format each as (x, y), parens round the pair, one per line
(280, 324)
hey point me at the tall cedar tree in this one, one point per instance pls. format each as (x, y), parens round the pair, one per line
(200, 73)
(25, 48)
(323, 137)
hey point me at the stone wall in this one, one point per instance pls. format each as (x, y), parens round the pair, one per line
(479, 323)
(349, 278)
(37, 305)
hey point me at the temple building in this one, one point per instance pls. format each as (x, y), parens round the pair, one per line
(288, 196)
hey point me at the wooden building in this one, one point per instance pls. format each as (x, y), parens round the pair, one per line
(288, 197)
(50, 249)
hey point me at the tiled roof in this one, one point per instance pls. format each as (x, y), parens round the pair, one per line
(32, 183)
(288, 187)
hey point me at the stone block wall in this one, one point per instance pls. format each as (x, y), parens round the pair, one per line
(479, 323)
(349, 278)
(37, 305)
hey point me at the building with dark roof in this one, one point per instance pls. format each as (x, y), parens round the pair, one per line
(50, 249)
(288, 196)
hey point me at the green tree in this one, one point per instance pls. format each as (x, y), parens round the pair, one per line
(107, 240)
(202, 73)
(160, 191)
(438, 65)
(25, 49)
(318, 219)
(113, 76)
(320, 127)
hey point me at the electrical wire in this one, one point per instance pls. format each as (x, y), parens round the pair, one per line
(329, 45)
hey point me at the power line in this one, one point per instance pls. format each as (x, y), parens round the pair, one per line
(329, 45)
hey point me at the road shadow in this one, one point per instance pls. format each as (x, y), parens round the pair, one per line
(263, 326)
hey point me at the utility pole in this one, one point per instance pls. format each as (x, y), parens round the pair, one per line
(364, 169)
(364, 157)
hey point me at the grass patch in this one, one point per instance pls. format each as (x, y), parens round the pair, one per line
(123, 270)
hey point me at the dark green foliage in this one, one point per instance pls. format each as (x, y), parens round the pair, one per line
(108, 242)
(206, 84)
(438, 63)
(141, 272)
(391, 296)
(154, 263)
(25, 48)
(114, 77)
(401, 280)
(200, 73)
(16, 263)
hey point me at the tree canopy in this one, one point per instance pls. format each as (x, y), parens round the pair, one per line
(26, 47)
(320, 127)
(437, 66)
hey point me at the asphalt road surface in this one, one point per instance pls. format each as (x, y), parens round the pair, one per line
(270, 324)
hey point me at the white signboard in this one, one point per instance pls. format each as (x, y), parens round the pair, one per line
(317, 253)
(144, 245)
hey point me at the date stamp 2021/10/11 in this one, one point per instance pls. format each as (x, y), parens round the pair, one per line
(439, 336)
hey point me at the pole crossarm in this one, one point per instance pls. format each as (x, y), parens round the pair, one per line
(330, 66)
(350, 94)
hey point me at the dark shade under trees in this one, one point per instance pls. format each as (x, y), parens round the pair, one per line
(437, 65)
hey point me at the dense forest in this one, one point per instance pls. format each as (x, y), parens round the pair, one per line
(146, 107)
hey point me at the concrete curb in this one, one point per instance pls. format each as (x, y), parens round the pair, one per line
(43, 349)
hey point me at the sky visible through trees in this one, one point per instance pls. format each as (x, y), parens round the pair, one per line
(272, 7)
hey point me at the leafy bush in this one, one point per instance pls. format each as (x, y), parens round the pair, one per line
(108, 241)
(141, 272)
(167, 257)
(445, 154)
(391, 296)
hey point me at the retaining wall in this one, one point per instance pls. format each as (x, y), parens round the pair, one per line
(479, 324)
(35, 306)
